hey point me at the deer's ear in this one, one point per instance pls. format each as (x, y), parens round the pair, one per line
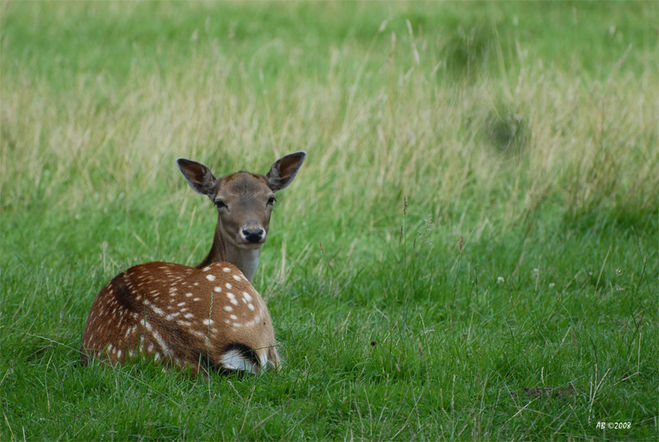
(198, 175)
(284, 169)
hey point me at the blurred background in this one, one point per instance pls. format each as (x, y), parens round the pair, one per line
(481, 177)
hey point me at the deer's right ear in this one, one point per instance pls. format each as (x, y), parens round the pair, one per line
(198, 175)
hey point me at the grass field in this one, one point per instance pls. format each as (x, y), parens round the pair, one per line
(470, 250)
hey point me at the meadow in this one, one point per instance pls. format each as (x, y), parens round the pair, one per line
(470, 250)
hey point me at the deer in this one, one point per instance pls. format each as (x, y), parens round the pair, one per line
(204, 318)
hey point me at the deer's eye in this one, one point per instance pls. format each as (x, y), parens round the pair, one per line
(220, 204)
(271, 201)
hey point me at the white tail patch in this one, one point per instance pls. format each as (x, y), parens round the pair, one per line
(234, 360)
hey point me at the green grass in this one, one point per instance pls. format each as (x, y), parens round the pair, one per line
(469, 251)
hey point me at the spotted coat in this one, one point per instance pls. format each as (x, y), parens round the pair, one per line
(208, 318)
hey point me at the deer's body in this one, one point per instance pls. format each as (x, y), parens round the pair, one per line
(207, 316)
(210, 317)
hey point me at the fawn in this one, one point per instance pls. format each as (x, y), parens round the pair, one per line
(207, 317)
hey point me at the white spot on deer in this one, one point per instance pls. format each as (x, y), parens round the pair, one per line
(188, 316)
(236, 277)
(171, 316)
(228, 285)
(189, 295)
(196, 299)
(228, 308)
(210, 277)
(247, 297)
(251, 306)
(156, 356)
(237, 324)
(233, 317)
(197, 333)
(208, 322)
(181, 304)
(226, 269)
(217, 289)
(161, 342)
(205, 269)
(157, 311)
(146, 324)
(232, 298)
(119, 354)
(184, 323)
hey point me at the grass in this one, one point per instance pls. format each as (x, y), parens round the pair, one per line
(469, 252)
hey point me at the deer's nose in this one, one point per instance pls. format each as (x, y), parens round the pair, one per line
(254, 235)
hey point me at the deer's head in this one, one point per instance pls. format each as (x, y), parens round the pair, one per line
(244, 200)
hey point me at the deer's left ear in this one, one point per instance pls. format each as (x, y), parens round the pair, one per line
(284, 169)
(198, 175)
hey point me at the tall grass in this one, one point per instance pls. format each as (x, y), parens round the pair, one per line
(393, 118)
(469, 251)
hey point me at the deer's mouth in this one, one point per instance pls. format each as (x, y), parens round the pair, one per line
(250, 245)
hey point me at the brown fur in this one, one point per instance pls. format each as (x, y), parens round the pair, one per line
(210, 315)
(244, 201)
(186, 316)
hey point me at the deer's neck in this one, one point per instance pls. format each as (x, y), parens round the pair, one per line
(247, 260)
